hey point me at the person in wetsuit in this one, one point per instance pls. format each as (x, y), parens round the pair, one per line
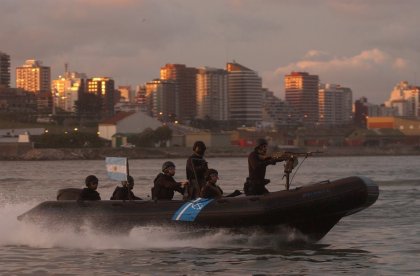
(196, 169)
(90, 193)
(165, 185)
(211, 189)
(257, 164)
(125, 192)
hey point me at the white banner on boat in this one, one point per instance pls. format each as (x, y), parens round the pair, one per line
(117, 168)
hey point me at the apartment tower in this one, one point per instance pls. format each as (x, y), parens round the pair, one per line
(212, 97)
(244, 94)
(103, 88)
(185, 81)
(66, 90)
(335, 104)
(33, 77)
(4, 70)
(301, 91)
(160, 99)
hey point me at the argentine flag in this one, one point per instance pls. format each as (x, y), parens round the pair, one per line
(117, 168)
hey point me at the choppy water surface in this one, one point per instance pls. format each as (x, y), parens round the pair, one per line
(381, 240)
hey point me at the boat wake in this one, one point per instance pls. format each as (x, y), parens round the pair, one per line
(17, 233)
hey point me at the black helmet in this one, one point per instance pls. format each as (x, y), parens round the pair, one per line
(210, 172)
(199, 144)
(91, 179)
(130, 179)
(260, 142)
(166, 165)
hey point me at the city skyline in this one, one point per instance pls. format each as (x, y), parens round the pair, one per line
(369, 47)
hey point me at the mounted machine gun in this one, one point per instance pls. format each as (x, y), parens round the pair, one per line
(291, 161)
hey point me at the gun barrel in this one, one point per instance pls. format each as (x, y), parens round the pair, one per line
(289, 153)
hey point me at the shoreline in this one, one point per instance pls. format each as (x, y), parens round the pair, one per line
(50, 154)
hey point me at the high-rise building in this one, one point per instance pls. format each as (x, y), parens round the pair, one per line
(161, 99)
(126, 94)
(276, 111)
(301, 91)
(406, 99)
(244, 94)
(4, 70)
(66, 90)
(140, 97)
(335, 104)
(212, 97)
(104, 89)
(363, 110)
(185, 81)
(34, 77)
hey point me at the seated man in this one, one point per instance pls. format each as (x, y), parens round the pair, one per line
(90, 193)
(125, 192)
(211, 189)
(165, 184)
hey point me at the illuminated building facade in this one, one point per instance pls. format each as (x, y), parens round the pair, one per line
(301, 91)
(244, 94)
(66, 91)
(104, 89)
(185, 81)
(161, 99)
(405, 98)
(212, 97)
(33, 77)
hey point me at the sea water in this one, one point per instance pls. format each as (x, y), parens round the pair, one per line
(381, 240)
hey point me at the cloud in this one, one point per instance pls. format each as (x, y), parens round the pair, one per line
(367, 45)
(368, 67)
(365, 60)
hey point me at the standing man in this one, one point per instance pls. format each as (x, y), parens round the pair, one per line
(196, 170)
(257, 163)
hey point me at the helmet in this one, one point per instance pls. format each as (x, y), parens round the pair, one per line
(199, 144)
(260, 142)
(167, 164)
(210, 172)
(130, 179)
(91, 179)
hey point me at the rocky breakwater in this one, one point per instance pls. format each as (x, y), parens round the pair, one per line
(100, 153)
(86, 154)
(30, 154)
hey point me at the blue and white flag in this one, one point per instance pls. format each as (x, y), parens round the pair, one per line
(190, 210)
(117, 168)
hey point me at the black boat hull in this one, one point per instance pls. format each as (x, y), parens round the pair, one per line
(313, 210)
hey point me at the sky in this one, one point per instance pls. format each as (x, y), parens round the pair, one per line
(369, 46)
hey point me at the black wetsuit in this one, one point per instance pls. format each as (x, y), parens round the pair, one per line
(211, 191)
(165, 187)
(89, 194)
(255, 183)
(123, 193)
(196, 169)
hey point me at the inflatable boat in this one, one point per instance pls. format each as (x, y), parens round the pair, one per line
(312, 210)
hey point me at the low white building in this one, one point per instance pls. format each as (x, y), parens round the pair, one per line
(127, 122)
